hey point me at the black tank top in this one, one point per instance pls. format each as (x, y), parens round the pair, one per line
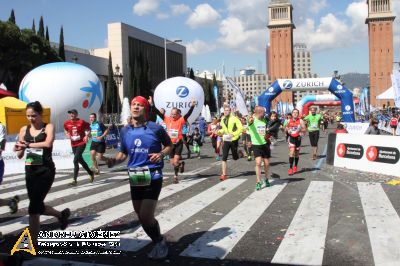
(47, 159)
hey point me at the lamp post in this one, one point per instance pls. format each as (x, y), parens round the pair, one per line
(118, 80)
(165, 54)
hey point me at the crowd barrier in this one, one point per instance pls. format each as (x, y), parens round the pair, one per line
(370, 153)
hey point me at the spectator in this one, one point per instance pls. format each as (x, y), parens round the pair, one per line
(340, 129)
(373, 128)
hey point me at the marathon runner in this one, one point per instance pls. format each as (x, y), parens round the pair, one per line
(295, 128)
(230, 132)
(98, 132)
(313, 121)
(145, 143)
(212, 131)
(260, 143)
(174, 124)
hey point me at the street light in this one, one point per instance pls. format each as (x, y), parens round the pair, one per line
(165, 53)
(118, 80)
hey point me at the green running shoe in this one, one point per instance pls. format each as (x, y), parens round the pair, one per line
(266, 182)
(258, 186)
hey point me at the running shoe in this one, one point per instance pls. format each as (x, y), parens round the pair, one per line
(258, 186)
(223, 177)
(266, 182)
(64, 218)
(217, 158)
(159, 251)
(13, 204)
(73, 183)
(91, 177)
(182, 167)
(294, 169)
(290, 171)
(175, 180)
(96, 171)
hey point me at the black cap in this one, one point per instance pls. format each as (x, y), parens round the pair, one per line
(73, 111)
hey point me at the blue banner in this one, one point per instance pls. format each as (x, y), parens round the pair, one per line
(346, 97)
(112, 137)
(216, 98)
(269, 95)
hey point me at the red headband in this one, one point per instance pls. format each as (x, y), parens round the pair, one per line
(144, 102)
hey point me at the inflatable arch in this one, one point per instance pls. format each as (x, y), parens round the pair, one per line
(331, 84)
(321, 100)
(307, 106)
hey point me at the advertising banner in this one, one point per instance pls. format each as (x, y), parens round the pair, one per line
(371, 153)
(356, 128)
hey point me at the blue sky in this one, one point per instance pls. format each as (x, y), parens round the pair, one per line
(215, 32)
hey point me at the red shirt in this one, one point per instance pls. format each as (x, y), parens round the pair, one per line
(294, 127)
(76, 129)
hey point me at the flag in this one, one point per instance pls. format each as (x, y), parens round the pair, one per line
(240, 102)
(216, 98)
(396, 87)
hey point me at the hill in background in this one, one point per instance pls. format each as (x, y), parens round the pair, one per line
(355, 80)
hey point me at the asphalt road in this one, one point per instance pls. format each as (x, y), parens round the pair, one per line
(320, 216)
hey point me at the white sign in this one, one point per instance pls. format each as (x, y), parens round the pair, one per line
(305, 84)
(371, 153)
(63, 86)
(356, 128)
(62, 157)
(178, 92)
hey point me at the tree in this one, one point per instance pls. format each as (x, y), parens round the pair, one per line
(61, 51)
(33, 27)
(206, 90)
(47, 34)
(41, 27)
(12, 17)
(111, 90)
(191, 74)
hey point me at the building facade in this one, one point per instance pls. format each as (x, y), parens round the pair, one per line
(280, 50)
(380, 37)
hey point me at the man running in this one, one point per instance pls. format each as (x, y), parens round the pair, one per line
(295, 128)
(313, 123)
(261, 147)
(231, 130)
(174, 125)
(98, 132)
(145, 143)
(77, 130)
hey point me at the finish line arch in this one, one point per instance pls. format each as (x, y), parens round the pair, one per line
(331, 84)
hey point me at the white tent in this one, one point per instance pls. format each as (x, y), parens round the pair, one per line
(386, 95)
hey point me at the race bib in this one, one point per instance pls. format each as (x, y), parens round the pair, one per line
(227, 137)
(139, 176)
(34, 156)
(173, 133)
(314, 125)
(261, 130)
(294, 129)
(75, 138)
(94, 133)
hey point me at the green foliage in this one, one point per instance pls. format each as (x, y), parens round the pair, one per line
(140, 78)
(41, 27)
(191, 74)
(61, 51)
(206, 90)
(47, 34)
(12, 17)
(20, 52)
(33, 27)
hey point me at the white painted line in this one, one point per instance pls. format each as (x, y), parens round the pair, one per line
(220, 239)
(106, 216)
(180, 213)
(21, 222)
(321, 160)
(13, 177)
(22, 183)
(382, 222)
(54, 262)
(304, 241)
(60, 194)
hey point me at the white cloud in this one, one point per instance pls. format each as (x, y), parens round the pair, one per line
(162, 16)
(180, 9)
(144, 7)
(203, 15)
(317, 6)
(253, 14)
(199, 47)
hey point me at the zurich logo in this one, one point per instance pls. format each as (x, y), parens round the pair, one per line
(339, 87)
(347, 108)
(138, 142)
(182, 91)
(287, 84)
(271, 89)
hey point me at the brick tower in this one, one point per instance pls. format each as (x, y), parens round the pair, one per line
(280, 50)
(380, 34)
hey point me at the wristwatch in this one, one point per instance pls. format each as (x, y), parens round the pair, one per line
(162, 154)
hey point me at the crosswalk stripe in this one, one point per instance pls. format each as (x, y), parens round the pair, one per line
(23, 182)
(66, 192)
(304, 241)
(111, 214)
(8, 179)
(219, 240)
(382, 222)
(178, 214)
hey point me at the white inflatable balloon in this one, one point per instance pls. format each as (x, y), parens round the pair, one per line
(63, 86)
(178, 92)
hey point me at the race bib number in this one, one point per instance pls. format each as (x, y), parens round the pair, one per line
(294, 129)
(75, 138)
(94, 133)
(314, 125)
(139, 176)
(34, 156)
(227, 137)
(173, 133)
(261, 130)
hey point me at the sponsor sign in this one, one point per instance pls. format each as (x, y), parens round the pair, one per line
(371, 153)
(305, 84)
(356, 128)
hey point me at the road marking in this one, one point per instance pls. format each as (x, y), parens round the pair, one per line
(23, 182)
(9, 178)
(382, 223)
(321, 160)
(220, 239)
(106, 216)
(304, 241)
(180, 213)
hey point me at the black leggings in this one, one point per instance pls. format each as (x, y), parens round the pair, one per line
(78, 159)
(39, 179)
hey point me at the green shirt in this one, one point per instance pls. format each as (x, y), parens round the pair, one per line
(257, 131)
(313, 122)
